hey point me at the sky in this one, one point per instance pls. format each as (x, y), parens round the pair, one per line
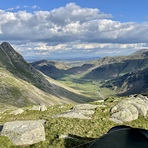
(65, 29)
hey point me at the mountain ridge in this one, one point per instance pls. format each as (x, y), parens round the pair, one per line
(107, 68)
(21, 84)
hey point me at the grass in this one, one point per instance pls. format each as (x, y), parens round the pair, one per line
(80, 131)
(89, 88)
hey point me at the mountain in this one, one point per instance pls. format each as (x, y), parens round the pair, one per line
(113, 67)
(125, 75)
(116, 70)
(21, 84)
(142, 51)
(101, 69)
(57, 70)
(53, 69)
(130, 83)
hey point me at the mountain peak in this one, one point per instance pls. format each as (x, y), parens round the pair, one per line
(12, 56)
(140, 52)
(9, 49)
(5, 43)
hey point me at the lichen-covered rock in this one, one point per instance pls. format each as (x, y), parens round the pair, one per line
(18, 111)
(129, 109)
(80, 111)
(43, 108)
(24, 132)
(72, 114)
(85, 107)
(36, 107)
(39, 107)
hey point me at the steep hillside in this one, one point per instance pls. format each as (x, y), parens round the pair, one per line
(131, 83)
(101, 69)
(57, 70)
(53, 69)
(96, 72)
(21, 84)
(113, 67)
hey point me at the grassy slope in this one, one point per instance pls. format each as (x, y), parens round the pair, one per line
(18, 92)
(83, 130)
(22, 85)
(88, 82)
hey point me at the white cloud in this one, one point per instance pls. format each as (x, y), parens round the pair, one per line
(17, 7)
(70, 28)
(35, 7)
(14, 8)
(10, 9)
(25, 6)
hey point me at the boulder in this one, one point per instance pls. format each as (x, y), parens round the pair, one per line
(39, 107)
(35, 107)
(129, 109)
(24, 132)
(72, 114)
(18, 111)
(81, 111)
(43, 108)
(85, 107)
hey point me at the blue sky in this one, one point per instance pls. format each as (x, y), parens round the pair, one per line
(52, 29)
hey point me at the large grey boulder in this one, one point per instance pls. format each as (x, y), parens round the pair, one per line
(129, 109)
(24, 132)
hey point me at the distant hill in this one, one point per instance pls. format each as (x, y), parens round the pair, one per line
(113, 67)
(107, 68)
(102, 69)
(57, 70)
(53, 69)
(139, 52)
(21, 84)
(130, 83)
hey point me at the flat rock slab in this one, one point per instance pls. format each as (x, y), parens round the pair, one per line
(85, 107)
(72, 114)
(24, 132)
(18, 111)
(81, 111)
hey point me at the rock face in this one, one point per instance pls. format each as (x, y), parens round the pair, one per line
(24, 132)
(129, 109)
(81, 111)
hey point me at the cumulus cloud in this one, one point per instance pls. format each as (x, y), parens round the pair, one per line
(70, 28)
